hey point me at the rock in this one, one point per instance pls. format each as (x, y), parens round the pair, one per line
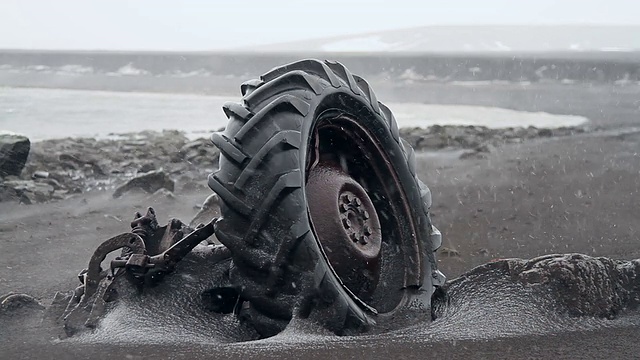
(163, 194)
(28, 191)
(53, 182)
(14, 150)
(585, 285)
(199, 152)
(40, 175)
(149, 182)
(210, 209)
(146, 168)
(448, 252)
(70, 158)
(193, 186)
(545, 132)
(178, 169)
(472, 155)
(13, 302)
(193, 145)
(82, 161)
(7, 193)
(59, 194)
(436, 141)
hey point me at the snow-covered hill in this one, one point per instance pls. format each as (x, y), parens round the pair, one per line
(475, 39)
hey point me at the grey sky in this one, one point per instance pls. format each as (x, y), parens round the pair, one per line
(211, 25)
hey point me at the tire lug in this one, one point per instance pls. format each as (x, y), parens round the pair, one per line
(346, 223)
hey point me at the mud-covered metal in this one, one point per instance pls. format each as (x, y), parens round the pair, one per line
(348, 227)
(139, 261)
(143, 267)
(86, 304)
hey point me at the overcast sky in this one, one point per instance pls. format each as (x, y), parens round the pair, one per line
(213, 25)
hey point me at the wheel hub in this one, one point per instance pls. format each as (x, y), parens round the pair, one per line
(347, 225)
(356, 220)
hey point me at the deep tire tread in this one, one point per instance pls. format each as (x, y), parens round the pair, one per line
(290, 180)
(284, 102)
(308, 65)
(227, 196)
(253, 143)
(250, 86)
(345, 74)
(286, 82)
(257, 259)
(289, 138)
(393, 124)
(233, 109)
(368, 92)
(228, 147)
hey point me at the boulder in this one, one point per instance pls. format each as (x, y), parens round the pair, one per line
(26, 191)
(14, 150)
(149, 182)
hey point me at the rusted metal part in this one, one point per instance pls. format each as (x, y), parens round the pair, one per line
(347, 225)
(157, 238)
(88, 302)
(150, 269)
(94, 274)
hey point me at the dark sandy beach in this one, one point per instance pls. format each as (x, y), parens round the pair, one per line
(565, 194)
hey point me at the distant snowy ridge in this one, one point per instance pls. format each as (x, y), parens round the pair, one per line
(475, 39)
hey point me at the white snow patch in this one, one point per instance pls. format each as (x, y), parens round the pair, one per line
(423, 115)
(576, 47)
(501, 47)
(367, 43)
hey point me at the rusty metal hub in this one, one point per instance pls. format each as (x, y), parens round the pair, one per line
(348, 226)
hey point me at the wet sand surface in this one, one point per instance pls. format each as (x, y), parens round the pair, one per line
(556, 195)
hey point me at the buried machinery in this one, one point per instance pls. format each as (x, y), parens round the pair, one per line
(322, 215)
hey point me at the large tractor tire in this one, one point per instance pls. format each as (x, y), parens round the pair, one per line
(321, 207)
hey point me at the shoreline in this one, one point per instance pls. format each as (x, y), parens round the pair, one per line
(57, 169)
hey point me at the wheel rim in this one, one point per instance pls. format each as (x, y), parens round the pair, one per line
(356, 210)
(348, 226)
